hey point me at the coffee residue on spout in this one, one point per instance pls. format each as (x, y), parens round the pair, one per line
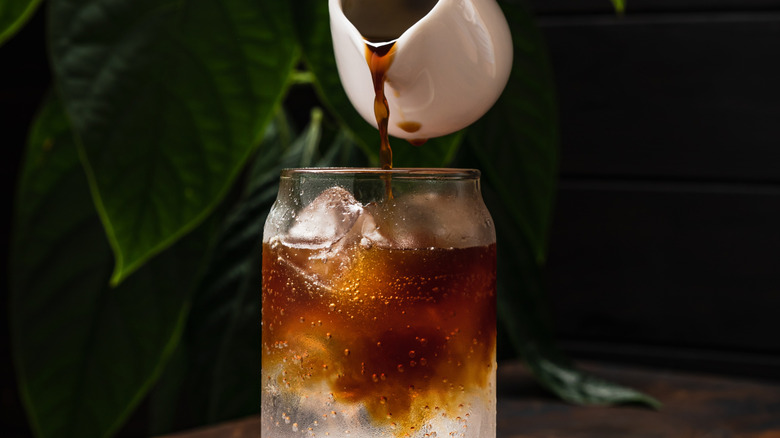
(410, 127)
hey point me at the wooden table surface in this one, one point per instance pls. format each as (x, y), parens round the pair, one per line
(695, 406)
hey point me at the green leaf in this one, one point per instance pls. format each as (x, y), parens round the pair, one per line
(168, 100)
(578, 387)
(85, 353)
(13, 15)
(312, 22)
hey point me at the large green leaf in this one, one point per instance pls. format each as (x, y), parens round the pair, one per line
(13, 15)
(85, 353)
(168, 99)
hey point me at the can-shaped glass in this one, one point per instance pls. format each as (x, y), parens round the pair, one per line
(379, 305)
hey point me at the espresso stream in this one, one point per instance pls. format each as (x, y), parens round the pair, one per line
(379, 58)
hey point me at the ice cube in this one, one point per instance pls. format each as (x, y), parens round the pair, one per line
(322, 242)
(327, 219)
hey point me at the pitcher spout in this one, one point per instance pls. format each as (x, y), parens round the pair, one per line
(451, 60)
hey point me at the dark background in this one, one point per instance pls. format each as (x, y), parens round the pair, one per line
(665, 249)
(24, 81)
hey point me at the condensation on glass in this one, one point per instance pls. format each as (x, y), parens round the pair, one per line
(379, 305)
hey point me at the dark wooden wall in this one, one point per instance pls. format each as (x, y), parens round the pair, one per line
(665, 248)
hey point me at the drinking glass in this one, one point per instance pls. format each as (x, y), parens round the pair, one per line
(379, 305)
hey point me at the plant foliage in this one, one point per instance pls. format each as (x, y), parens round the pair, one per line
(148, 175)
(212, 93)
(13, 15)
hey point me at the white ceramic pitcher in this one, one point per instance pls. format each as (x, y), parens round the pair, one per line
(452, 60)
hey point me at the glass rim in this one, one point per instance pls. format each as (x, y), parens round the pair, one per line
(427, 173)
